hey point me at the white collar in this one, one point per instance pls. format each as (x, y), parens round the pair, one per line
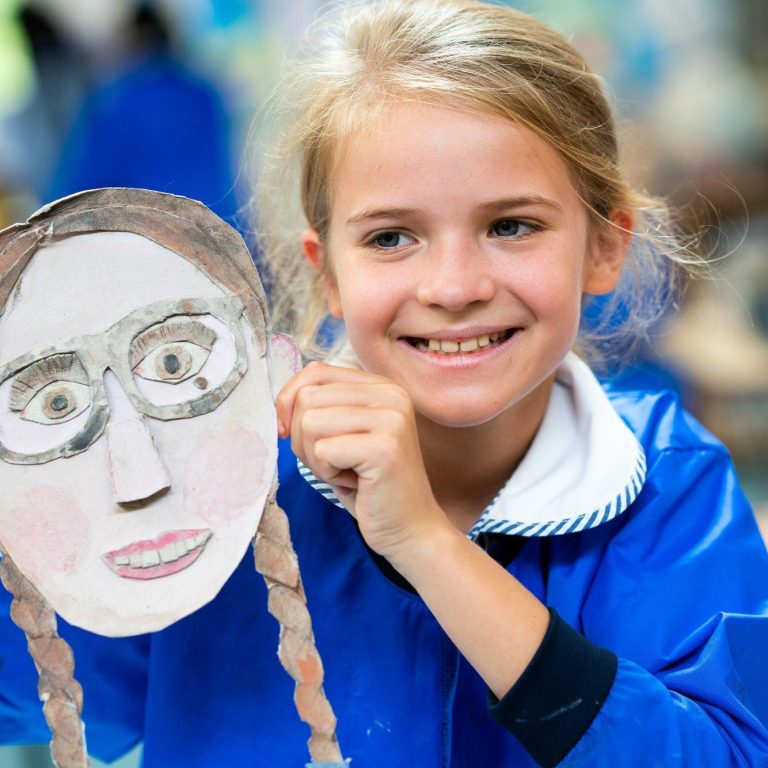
(583, 468)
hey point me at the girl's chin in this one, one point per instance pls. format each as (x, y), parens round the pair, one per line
(456, 415)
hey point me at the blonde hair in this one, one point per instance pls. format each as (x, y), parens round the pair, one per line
(470, 55)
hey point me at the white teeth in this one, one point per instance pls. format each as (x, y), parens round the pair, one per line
(167, 554)
(451, 347)
(150, 558)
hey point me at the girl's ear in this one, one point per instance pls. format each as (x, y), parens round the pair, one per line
(609, 245)
(316, 255)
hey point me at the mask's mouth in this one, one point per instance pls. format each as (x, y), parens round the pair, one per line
(169, 553)
(464, 346)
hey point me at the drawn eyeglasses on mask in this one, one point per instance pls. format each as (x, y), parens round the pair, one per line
(173, 359)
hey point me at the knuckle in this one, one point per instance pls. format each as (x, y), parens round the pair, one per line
(389, 447)
(398, 421)
(304, 396)
(402, 398)
(307, 422)
(313, 368)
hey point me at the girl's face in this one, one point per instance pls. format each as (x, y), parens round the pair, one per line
(460, 251)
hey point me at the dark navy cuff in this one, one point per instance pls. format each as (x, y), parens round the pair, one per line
(558, 695)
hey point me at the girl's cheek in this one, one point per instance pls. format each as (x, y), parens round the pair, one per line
(48, 531)
(226, 475)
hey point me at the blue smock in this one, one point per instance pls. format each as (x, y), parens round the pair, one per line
(675, 587)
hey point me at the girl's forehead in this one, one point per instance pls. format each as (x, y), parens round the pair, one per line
(85, 283)
(443, 152)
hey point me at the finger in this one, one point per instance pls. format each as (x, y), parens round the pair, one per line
(343, 383)
(376, 393)
(314, 373)
(312, 427)
(369, 455)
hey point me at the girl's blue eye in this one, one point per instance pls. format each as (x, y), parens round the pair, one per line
(510, 228)
(391, 239)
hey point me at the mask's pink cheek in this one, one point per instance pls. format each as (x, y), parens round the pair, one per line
(47, 531)
(226, 476)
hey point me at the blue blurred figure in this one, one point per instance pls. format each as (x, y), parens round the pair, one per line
(155, 125)
(31, 138)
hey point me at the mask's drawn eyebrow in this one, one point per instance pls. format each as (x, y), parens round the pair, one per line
(168, 332)
(60, 367)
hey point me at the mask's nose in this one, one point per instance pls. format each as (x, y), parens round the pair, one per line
(135, 466)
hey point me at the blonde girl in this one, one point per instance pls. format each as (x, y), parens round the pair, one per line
(506, 565)
(463, 198)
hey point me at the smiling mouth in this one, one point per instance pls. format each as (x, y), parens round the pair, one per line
(461, 346)
(169, 553)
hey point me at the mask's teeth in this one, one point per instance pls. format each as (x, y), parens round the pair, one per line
(167, 554)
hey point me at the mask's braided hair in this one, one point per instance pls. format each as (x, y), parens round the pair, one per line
(276, 561)
(60, 693)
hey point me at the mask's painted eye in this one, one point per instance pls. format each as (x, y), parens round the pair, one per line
(57, 402)
(173, 362)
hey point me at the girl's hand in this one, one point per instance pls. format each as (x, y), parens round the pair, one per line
(357, 432)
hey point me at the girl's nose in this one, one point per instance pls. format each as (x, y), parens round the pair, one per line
(136, 469)
(456, 276)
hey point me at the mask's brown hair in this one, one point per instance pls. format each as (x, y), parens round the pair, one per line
(184, 226)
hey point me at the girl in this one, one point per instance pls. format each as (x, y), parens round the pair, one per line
(459, 178)
(582, 565)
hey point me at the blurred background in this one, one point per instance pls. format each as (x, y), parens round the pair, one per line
(161, 96)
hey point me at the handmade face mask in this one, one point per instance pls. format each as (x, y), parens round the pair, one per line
(137, 424)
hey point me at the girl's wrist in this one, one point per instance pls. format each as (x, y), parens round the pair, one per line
(418, 556)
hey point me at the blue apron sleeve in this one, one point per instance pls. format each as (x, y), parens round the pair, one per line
(112, 672)
(681, 597)
(699, 715)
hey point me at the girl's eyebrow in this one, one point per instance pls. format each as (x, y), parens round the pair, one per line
(522, 201)
(379, 213)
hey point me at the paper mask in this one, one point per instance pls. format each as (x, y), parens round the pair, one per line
(137, 424)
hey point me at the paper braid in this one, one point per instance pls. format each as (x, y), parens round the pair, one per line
(60, 693)
(277, 562)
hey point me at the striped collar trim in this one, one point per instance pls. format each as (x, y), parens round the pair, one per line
(583, 469)
(489, 523)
